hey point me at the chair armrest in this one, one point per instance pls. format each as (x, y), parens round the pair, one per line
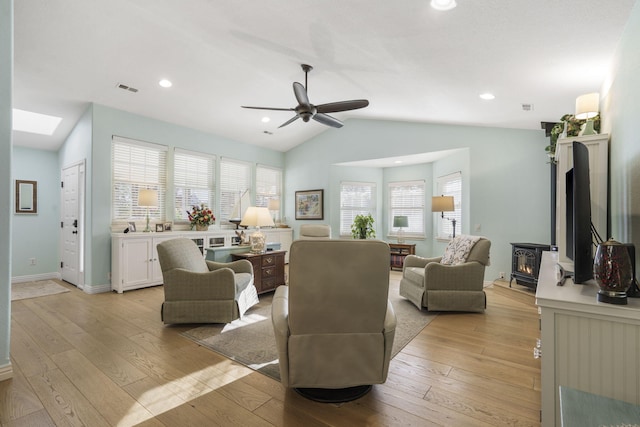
(239, 266)
(182, 285)
(418, 261)
(467, 276)
(390, 319)
(280, 311)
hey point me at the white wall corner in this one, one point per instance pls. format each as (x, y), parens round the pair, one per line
(6, 372)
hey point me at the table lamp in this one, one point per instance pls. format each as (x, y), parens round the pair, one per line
(444, 204)
(274, 206)
(399, 222)
(587, 107)
(147, 198)
(257, 217)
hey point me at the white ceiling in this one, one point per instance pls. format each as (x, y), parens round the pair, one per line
(411, 62)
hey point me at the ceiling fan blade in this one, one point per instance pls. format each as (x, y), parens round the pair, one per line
(326, 119)
(293, 119)
(334, 107)
(269, 108)
(301, 94)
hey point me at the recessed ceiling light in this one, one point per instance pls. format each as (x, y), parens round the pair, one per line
(487, 96)
(443, 4)
(397, 162)
(27, 121)
(165, 83)
(266, 120)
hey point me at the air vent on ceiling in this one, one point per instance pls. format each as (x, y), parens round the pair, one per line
(125, 87)
(527, 107)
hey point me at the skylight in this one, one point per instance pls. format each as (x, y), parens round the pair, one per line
(27, 121)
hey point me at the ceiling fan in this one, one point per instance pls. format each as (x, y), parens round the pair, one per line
(307, 110)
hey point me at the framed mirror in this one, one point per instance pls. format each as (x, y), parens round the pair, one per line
(26, 197)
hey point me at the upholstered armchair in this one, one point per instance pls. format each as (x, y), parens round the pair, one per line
(199, 291)
(333, 323)
(453, 282)
(315, 231)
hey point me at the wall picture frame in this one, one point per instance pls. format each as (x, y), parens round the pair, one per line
(310, 204)
(26, 197)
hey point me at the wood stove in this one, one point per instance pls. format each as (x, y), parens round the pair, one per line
(525, 263)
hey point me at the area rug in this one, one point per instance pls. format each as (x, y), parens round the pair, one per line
(251, 342)
(37, 289)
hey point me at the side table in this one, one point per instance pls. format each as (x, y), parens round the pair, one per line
(268, 269)
(399, 251)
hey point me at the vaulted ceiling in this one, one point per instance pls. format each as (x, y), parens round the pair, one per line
(411, 62)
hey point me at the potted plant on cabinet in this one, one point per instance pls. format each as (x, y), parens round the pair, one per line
(362, 227)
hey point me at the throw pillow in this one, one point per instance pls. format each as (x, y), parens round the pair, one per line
(458, 249)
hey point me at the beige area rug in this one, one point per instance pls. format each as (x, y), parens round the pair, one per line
(251, 341)
(37, 289)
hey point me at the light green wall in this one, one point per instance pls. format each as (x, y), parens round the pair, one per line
(620, 112)
(37, 236)
(505, 171)
(6, 189)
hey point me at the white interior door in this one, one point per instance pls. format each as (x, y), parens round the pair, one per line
(72, 224)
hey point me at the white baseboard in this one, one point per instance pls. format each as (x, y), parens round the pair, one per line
(6, 372)
(34, 277)
(97, 289)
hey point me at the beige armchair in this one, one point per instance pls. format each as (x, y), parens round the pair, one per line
(427, 282)
(334, 324)
(199, 291)
(315, 231)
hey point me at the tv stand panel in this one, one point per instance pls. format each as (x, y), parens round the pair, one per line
(598, 177)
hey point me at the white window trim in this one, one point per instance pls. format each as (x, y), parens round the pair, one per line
(371, 209)
(393, 232)
(211, 186)
(457, 199)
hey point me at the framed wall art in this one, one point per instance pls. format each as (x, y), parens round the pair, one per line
(26, 197)
(310, 204)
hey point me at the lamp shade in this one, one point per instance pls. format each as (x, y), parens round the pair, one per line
(587, 106)
(257, 217)
(442, 204)
(401, 221)
(274, 205)
(147, 197)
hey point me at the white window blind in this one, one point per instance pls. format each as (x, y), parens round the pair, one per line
(268, 185)
(137, 165)
(193, 182)
(355, 198)
(235, 188)
(407, 199)
(450, 185)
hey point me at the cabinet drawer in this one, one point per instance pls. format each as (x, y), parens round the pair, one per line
(268, 272)
(268, 260)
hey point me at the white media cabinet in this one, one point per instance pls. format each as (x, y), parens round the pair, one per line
(134, 259)
(586, 345)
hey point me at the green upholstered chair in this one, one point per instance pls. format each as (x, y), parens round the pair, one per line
(456, 285)
(333, 323)
(199, 291)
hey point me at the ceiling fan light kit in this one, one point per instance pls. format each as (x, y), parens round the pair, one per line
(305, 110)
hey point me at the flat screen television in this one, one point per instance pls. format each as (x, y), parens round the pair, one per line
(579, 241)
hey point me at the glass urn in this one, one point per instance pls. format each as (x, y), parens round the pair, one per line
(612, 271)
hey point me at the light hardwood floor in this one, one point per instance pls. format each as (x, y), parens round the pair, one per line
(107, 359)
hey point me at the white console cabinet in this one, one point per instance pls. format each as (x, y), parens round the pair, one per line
(586, 345)
(134, 258)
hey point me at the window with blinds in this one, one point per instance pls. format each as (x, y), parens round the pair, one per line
(355, 198)
(193, 182)
(235, 188)
(268, 185)
(407, 199)
(137, 165)
(450, 185)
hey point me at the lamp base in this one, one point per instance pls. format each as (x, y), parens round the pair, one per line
(400, 236)
(147, 229)
(587, 128)
(257, 239)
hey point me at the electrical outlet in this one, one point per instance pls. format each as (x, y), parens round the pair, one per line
(32, 261)
(501, 275)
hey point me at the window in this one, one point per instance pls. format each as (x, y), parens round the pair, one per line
(407, 199)
(235, 188)
(193, 181)
(450, 185)
(137, 165)
(268, 185)
(355, 198)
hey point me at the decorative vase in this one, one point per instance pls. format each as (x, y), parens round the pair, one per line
(613, 272)
(201, 227)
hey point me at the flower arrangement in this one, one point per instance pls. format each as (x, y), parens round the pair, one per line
(362, 227)
(201, 216)
(571, 126)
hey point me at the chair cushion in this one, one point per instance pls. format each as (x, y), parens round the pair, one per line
(242, 281)
(414, 274)
(458, 249)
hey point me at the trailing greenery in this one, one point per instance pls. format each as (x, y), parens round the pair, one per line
(362, 227)
(573, 129)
